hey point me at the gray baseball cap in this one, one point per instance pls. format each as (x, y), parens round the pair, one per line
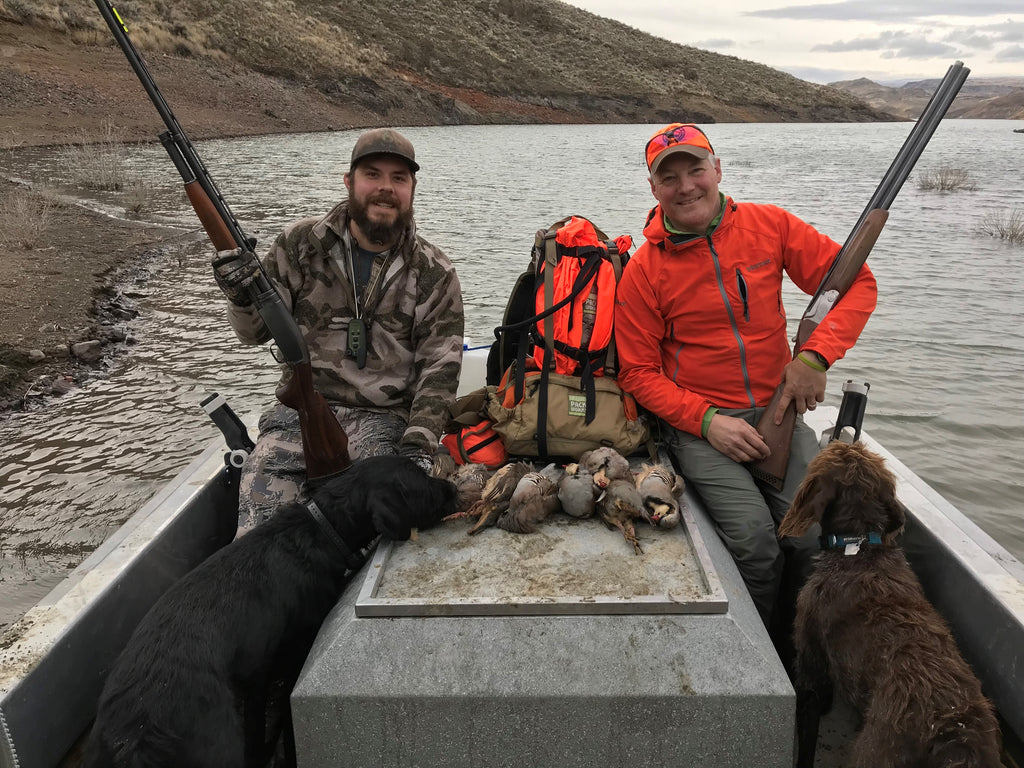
(384, 141)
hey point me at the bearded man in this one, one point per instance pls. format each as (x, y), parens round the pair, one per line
(380, 309)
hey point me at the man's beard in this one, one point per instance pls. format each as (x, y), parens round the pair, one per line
(379, 231)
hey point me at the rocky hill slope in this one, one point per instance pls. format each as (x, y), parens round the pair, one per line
(235, 67)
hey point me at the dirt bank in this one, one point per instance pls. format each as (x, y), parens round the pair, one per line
(73, 287)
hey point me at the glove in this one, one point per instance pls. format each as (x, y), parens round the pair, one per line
(419, 457)
(444, 465)
(234, 272)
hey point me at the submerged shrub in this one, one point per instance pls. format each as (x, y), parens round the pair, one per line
(1006, 225)
(946, 178)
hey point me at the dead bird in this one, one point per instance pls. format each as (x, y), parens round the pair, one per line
(619, 506)
(496, 494)
(606, 465)
(659, 487)
(533, 501)
(469, 481)
(577, 491)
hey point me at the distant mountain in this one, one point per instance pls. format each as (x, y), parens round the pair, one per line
(985, 97)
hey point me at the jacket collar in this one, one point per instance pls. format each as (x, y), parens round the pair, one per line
(656, 233)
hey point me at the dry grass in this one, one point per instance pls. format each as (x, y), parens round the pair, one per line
(102, 165)
(946, 178)
(24, 218)
(1007, 225)
(138, 197)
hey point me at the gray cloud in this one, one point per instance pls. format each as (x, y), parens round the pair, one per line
(971, 38)
(918, 44)
(879, 42)
(881, 10)
(922, 49)
(1012, 53)
(714, 44)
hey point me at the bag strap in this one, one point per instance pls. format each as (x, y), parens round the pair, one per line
(460, 443)
(611, 363)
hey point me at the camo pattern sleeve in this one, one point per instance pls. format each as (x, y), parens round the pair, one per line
(413, 309)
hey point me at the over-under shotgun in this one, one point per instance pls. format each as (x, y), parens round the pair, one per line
(324, 442)
(847, 264)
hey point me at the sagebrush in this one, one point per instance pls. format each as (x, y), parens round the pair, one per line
(1006, 225)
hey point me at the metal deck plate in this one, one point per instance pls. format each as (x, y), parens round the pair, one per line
(568, 566)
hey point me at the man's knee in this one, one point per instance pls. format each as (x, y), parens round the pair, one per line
(271, 476)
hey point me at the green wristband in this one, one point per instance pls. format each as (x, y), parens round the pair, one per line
(812, 363)
(706, 421)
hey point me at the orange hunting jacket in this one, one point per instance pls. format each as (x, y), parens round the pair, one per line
(699, 320)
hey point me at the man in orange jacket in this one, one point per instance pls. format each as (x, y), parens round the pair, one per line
(701, 333)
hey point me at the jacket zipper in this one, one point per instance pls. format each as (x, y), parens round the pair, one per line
(732, 322)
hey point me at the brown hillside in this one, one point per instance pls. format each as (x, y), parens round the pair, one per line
(241, 66)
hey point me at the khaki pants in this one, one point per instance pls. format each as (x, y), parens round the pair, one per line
(746, 514)
(274, 473)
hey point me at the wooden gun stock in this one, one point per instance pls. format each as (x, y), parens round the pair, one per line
(324, 447)
(842, 273)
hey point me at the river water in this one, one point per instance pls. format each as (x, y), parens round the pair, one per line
(944, 351)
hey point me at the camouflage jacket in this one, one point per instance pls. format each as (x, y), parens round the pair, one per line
(413, 308)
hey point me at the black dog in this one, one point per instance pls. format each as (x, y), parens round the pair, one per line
(210, 647)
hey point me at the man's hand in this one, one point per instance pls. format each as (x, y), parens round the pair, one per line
(419, 457)
(736, 439)
(234, 271)
(801, 385)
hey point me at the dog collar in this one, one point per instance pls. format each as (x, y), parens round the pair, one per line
(352, 561)
(851, 544)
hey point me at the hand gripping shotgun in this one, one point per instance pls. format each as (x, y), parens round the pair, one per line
(844, 269)
(324, 442)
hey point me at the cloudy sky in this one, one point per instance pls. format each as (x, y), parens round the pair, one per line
(888, 41)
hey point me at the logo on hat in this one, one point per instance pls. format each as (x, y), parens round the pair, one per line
(675, 138)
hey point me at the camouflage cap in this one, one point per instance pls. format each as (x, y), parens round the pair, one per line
(384, 141)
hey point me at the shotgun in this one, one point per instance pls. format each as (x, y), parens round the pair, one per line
(846, 265)
(324, 443)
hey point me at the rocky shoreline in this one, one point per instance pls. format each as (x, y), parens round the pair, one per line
(66, 304)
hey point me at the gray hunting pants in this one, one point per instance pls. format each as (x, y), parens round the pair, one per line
(746, 514)
(274, 473)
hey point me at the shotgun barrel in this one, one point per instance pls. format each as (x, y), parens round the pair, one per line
(846, 265)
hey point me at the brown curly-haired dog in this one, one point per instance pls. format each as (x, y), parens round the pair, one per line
(865, 631)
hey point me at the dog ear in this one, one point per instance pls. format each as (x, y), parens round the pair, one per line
(814, 495)
(896, 519)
